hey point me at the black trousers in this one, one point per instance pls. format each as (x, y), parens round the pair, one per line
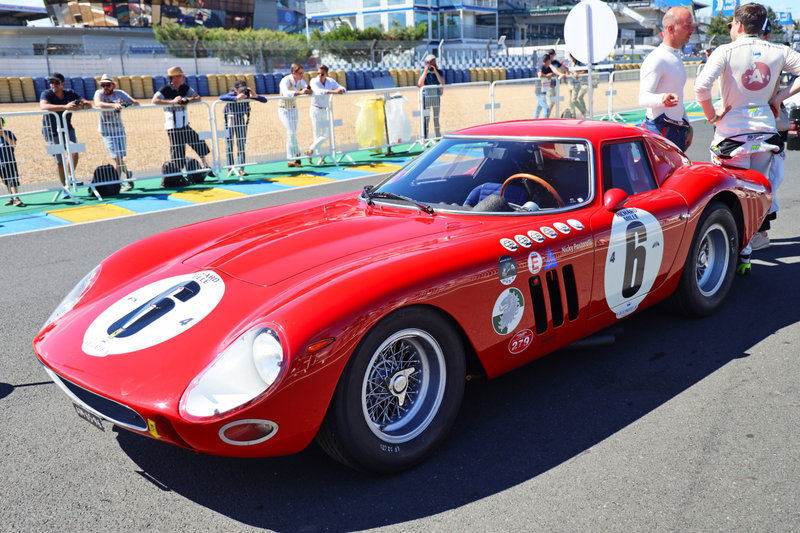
(179, 138)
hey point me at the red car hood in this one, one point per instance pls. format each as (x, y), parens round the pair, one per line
(274, 250)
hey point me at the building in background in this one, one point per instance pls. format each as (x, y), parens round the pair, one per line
(284, 15)
(19, 15)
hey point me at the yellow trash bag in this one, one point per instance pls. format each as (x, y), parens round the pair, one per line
(370, 122)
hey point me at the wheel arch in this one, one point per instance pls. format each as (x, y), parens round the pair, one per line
(730, 200)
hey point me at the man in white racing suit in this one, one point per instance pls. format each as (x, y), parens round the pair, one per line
(749, 71)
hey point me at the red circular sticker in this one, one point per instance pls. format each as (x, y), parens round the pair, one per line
(520, 341)
(756, 77)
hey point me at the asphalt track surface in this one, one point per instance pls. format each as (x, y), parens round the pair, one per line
(681, 425)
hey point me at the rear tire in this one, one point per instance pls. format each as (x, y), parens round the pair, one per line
(709, 270)
(399, 394)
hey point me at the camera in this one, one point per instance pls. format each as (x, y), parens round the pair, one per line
(246, 92)
(184, 100)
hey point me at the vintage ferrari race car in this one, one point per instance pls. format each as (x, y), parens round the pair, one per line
(355, 319)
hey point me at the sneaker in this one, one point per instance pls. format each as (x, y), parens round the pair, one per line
(18, 202)
(65, 196)
(241, 171)
(760, 241)
(126, 186)
(292, 164)
(10, 201)
(744, 266)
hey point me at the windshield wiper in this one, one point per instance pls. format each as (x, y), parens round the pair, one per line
(369, 195)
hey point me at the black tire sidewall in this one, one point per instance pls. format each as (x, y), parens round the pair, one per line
(357, 442)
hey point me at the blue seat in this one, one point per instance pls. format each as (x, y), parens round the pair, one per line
(76, 84)
(40, 85)
(202, 85)
(514, 193)
(159, 82)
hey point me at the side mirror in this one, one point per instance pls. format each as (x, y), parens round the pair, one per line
(614, 199)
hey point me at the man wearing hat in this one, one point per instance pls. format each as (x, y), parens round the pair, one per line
(175, 96)
(58, 100)
(237, 117)
(431, 98)
(111, 128)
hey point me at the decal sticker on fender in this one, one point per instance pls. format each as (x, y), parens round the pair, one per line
(523, 241)
(507, 270)
(534, 262)
(563, 228)
(520, 341)
(575, 224)
(508, 310)
(509, 245)
(550, 232)
(153, 314)
(536, 236)
(635, 250)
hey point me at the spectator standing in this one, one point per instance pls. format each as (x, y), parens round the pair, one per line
(112, 100)
(58, 99)
(662, 78)
(578, 86)
(542, 89)
(321, 87)
(749, 72)
(176, 95)
(292, 85)
(431, 97)
(237, 118)
(561, 71)
(8, 164)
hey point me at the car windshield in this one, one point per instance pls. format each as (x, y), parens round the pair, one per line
(496, 176)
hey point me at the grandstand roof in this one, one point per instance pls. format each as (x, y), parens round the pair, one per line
(19, 15)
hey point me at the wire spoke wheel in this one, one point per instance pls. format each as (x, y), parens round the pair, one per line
(403, 385)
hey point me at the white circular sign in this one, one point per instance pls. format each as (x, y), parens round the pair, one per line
(635, 249)
(590, 31)
(154, 313)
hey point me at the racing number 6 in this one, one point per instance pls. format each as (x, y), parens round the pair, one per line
(635, 255)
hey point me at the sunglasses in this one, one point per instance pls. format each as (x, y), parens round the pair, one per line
(55, 82)
(729, 25)
(105, 85)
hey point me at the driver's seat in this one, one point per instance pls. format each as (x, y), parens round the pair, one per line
(515, 194)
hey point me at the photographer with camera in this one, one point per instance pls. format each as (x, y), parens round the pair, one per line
(176, 95)
(59, 99)
(112, 130)
(237, 117)
(431, 98)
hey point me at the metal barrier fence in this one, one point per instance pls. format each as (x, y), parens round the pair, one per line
(28, 156)
(136, 141)
(356, 120)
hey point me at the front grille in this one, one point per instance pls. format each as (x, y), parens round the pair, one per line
(117, 413)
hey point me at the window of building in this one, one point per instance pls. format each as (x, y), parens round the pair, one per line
(372, 20)
(397, 20)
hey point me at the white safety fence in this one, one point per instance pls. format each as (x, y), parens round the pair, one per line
(224, 139)
(29, 153)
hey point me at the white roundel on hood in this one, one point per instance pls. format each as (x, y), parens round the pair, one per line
(154, 313)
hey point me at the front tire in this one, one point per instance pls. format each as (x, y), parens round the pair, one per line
(709, 270)
(399, 394)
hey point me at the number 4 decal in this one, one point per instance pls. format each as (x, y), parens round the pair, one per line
(633, 260)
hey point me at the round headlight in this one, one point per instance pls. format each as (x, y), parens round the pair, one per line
(267, 355)
(74, 295)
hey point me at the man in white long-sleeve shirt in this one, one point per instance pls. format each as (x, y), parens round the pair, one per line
(749, 72)
(662, 78)
(291, 85)
(322, 87)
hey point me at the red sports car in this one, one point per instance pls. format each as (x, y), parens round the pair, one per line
(355, 319)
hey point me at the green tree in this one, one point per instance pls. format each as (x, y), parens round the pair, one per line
(717, 31)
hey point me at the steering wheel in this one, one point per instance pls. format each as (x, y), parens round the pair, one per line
(537, 179)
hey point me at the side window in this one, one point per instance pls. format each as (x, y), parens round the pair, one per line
(666, 159)
(626, 167)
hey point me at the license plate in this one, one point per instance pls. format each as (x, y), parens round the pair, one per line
(89, 416)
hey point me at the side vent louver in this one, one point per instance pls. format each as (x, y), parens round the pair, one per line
(559, 294)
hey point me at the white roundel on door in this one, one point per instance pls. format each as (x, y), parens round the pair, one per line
(154, 313)
(635, 250)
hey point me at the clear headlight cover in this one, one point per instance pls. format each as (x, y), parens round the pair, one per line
(250, 365)
(73, 297)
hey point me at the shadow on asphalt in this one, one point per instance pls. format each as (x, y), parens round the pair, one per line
(510, 430)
